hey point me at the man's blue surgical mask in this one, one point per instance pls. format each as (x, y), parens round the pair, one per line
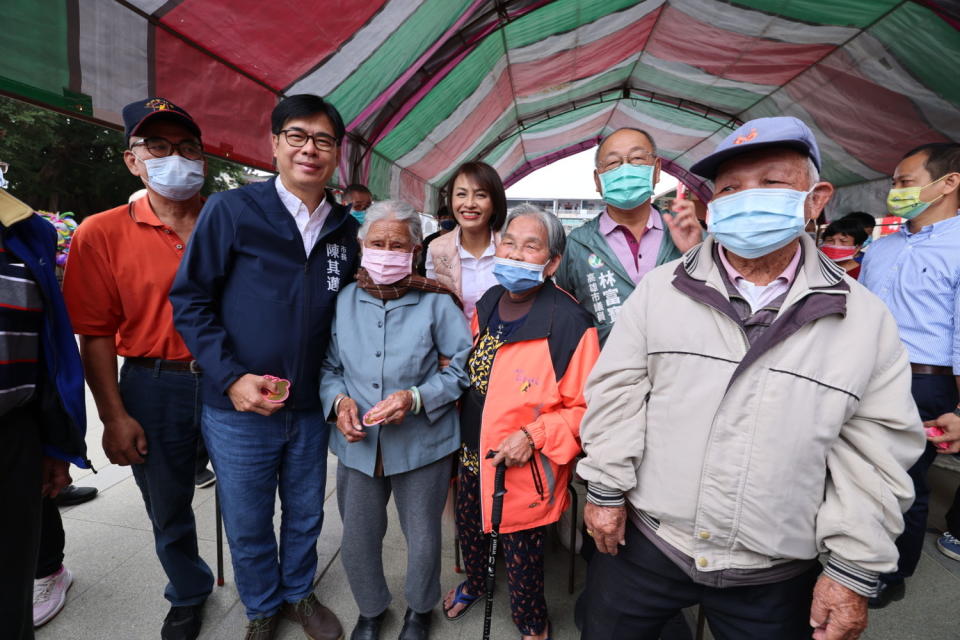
(628, 186)
(756, 222)
(516, 276)
(359, 216)
(174, 177)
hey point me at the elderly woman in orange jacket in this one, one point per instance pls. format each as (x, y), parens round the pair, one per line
(534, 346)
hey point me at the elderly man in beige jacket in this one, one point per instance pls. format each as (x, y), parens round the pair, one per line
(751, 411)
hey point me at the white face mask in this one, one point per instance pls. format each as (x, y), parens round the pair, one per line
(174, 177)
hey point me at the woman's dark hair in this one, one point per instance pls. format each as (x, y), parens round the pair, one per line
(866, 220)
(305, 105)
(486, 178)
(846, 226)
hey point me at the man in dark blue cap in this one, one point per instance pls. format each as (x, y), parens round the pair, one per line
(121, 265)
(749, 412)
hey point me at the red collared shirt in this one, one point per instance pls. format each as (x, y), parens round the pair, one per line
(119, 272)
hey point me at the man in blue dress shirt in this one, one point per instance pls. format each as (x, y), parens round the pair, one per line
(916, 272)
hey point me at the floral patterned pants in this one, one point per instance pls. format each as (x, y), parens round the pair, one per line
(522, 552)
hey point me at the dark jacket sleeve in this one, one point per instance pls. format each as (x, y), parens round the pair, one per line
(197, 290)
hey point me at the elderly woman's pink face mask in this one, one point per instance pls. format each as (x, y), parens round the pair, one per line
(386, 267)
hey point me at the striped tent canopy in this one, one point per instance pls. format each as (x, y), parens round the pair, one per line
(424, 85)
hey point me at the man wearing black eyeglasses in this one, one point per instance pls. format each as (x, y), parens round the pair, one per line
(254, 300)
(121, 265)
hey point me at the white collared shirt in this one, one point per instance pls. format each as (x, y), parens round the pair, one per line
(476, 274)
(308, 223)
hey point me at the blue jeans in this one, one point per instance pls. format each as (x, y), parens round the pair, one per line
(167, 406)
(253, 456)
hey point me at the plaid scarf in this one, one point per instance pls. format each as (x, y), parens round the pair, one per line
(400, 288)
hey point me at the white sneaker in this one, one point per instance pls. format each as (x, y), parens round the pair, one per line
(49, 595)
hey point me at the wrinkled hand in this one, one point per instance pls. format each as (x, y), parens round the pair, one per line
(837, 613)
(348, 420)
(393, 408)
(124, 441)
(245, 395)
(55, 476)
(606, 525)
(514, 450)
(683, 225)
(950, 423)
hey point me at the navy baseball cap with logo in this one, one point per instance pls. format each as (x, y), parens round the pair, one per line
(137, 113)
(782, 131)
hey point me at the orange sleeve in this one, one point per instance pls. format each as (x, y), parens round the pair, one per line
(557, 433)
(89, 288)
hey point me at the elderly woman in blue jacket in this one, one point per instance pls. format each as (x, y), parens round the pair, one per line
(397, 425)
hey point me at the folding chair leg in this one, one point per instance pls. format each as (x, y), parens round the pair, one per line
(457, 568)
(573, 536)
(216, 502)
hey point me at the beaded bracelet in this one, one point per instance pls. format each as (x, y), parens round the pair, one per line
(529, 437)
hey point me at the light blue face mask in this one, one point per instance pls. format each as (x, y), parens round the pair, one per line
(174, 177)
(628, 186)
(359, 216)
(516, 276)
(756, 222)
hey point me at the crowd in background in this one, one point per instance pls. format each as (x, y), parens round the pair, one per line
(740, 399)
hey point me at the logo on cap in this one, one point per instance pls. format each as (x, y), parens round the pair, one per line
(747, 138)
(159, 104)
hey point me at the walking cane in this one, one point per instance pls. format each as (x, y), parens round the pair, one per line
(498, 493)
(700, 622)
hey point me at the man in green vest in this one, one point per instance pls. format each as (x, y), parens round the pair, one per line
(606, 257)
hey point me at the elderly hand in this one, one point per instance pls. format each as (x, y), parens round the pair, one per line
(837, 613)
(950, 423)
(348, 420)
(393, 408)
(514, 450)
(606, 525)
(683, 225)
(245, 394)
(55, 476)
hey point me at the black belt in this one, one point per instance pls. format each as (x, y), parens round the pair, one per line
(931, 369)
(165, 365)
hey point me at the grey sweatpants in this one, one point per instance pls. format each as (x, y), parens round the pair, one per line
(419, 495)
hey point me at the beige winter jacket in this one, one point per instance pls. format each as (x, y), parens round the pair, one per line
(753, 456)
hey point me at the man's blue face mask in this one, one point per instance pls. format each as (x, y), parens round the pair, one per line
(756, 222)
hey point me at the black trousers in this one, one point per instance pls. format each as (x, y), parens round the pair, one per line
(52, 539)
(635, 593)
(20, 455)
(935, 396)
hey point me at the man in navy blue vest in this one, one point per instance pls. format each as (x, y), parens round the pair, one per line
(253, 300)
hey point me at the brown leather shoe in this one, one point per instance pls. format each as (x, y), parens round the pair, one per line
(319, 623)
(262, 628)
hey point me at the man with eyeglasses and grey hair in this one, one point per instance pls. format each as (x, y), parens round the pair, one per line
(121, 265)
(607, 256)
(254, 299)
